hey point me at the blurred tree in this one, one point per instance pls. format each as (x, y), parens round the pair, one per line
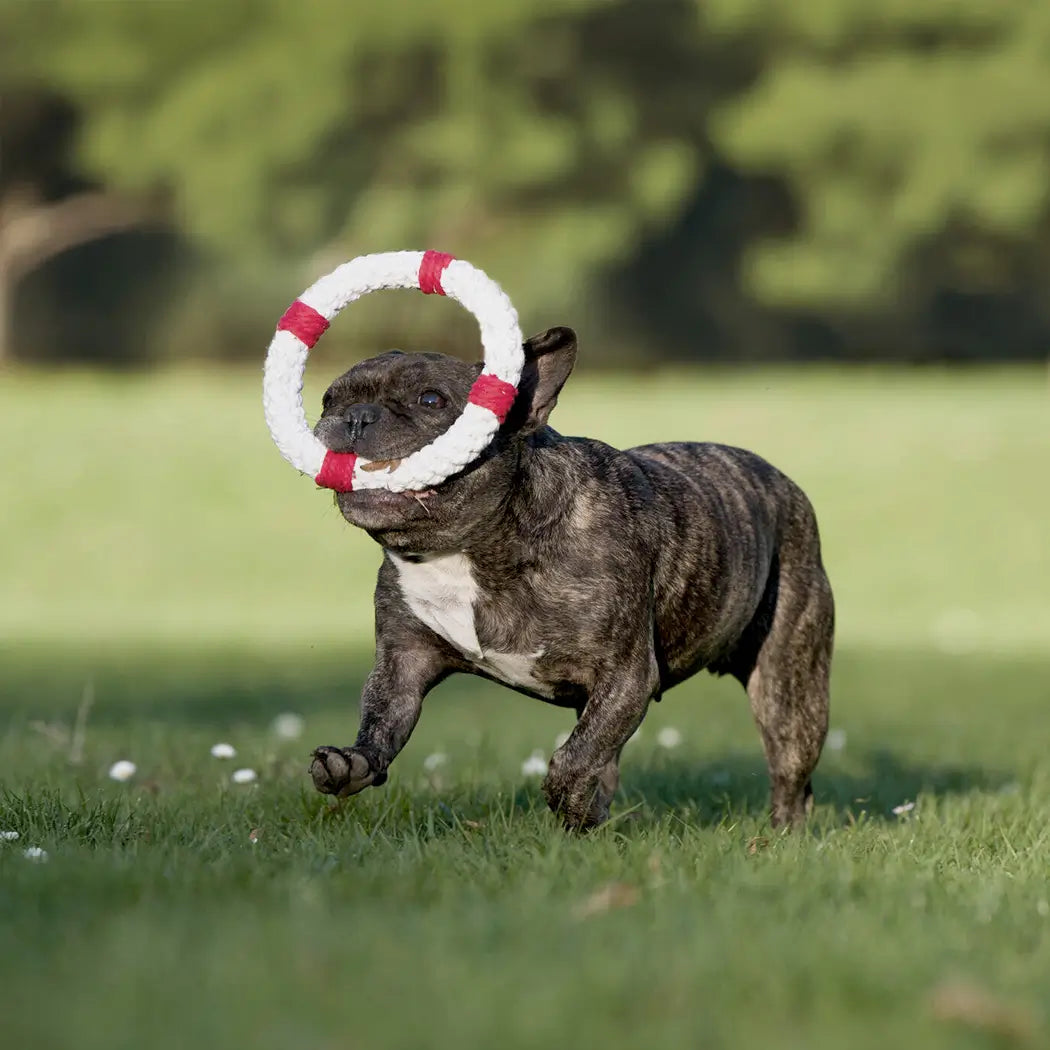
(78, 264)
(710, 176)
(497, 130)
(912, 135)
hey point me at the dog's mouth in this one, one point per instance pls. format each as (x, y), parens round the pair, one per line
(385, 496)
(381, 464)
(382, 509)
(391, 464)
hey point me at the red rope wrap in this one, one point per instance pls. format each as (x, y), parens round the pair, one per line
(304, 322)
(337, 471)
(493, 393)
(430, 269)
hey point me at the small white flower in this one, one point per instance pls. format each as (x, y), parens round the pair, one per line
(559, 740)
(836, 739)
(904, 807)
(434, 761)
(535, 765)
(8, 836)
(35, 853)
(244, 776)
(288, 726)
(122, 770)
(223, 751)
(669, 737)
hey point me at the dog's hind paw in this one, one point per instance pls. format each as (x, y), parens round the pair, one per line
(343, 771)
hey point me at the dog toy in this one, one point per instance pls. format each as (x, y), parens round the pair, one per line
(306, 320)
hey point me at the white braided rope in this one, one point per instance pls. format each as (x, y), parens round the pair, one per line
(468, 436)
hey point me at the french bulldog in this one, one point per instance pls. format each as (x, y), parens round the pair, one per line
(585, 576)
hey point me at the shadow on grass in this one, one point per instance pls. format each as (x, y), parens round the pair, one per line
(704, 795)
(918, 699)
(738, 785)
(203, 687)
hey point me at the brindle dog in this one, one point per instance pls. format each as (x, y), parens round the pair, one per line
(581, 575)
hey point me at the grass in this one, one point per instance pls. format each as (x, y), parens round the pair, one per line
(158, 557)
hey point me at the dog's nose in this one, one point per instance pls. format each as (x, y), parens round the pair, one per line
(360, 415)
(340, 431)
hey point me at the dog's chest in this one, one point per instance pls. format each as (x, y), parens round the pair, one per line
(442, 593)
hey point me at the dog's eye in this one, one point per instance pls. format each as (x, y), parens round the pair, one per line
(431, 399)
(326, 401)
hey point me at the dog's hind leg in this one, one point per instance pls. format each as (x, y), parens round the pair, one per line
(787, 683)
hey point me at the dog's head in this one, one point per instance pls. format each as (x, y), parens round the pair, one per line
(390, 406)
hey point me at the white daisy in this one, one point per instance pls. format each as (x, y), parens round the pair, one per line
(244, 776)
(288, 726)
(669, 737)
(122, 770)
(223, 751)
(535, 765)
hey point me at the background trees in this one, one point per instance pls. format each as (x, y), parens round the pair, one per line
(727, 178)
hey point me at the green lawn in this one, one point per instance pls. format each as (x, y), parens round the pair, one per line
(163, 571)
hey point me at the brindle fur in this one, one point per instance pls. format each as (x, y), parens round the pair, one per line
(630, 570)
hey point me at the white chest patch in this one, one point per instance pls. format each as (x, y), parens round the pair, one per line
(441, 592)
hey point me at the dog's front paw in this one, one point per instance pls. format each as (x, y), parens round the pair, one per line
(343, 771)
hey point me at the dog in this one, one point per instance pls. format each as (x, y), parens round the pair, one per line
(585, 576)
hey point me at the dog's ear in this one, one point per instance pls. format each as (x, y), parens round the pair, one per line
(549, 358)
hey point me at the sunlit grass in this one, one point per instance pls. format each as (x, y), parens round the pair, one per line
(156, 507)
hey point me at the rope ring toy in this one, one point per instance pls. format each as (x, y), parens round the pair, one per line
(307, 319)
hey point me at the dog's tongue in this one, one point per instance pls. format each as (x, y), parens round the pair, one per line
(381, 464)
(393, 464)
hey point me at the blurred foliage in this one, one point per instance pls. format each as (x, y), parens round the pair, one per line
(727, 177)
(893, 122)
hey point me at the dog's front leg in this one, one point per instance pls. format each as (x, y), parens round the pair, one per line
(584, 772)
(390, 705)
